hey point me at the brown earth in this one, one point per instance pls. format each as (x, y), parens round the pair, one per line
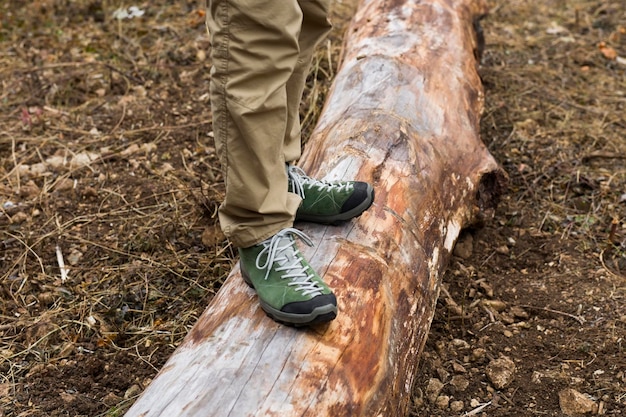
(107, 162)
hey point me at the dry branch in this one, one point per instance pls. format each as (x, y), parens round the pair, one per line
(404, 114)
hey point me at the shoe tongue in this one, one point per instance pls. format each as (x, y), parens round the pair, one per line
(289, 250)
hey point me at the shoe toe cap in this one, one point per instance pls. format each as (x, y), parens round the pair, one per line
(362, 192)
(309, 306)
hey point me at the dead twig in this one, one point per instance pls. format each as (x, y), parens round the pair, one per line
(579, 319)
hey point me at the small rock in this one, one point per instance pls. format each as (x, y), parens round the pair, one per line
(503, 250)
(519, 312)
(442, 402)
(83, 159)
(501, 372)
(506, 319)
(575, 403)
(459, 382)
(19, 217)
(64, 184)
(479, 354)
(433, 389)
(46, 298)
(23, 169)
(456, 406)
(165, 168)
(74, 257)
(133, 391)
(443, 374)
(132, 149)
(148, 147)
(496, 305)
(459, 344)
(458, 368)
(474, 403)
(68, 397)
(507, 333)
(39, 169)
(89, 192)
(29, 190)
(56, 161)
(111, 399)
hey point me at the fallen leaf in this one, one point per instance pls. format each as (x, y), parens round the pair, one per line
(607, 51)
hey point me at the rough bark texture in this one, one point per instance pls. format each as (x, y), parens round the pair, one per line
(403, 114)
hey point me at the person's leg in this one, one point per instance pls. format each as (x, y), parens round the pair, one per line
(315, 27)
(254, 52)
(323, 202)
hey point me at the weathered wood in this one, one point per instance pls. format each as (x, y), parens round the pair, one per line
(404, 114)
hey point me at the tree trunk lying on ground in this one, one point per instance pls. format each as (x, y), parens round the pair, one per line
(404, 114)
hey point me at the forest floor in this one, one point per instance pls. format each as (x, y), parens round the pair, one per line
(107, 163)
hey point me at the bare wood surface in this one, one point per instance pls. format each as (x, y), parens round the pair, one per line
(403, 114)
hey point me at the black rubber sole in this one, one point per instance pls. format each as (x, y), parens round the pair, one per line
(319, 315)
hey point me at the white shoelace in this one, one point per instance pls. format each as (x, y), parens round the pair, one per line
(299, 179)
(280, 250)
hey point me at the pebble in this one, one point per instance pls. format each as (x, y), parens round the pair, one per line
(478, 354)
(519, 312)
(111, 399)
(74, 257)
(39, 169)
(503, 250)
(442, 402)
(456, 406)
(133, 391)
(496, 305)
(501, 372)
(460, 383)
(19, 217)
(459, 344)
(458, 368)
(64, 184)
(574, 403)
(56, 161)
(29, 190)
(89, 192)
(83, 159)
(433, 389)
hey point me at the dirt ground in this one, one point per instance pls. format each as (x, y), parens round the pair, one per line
(107, 166)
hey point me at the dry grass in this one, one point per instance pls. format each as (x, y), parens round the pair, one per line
(106, 168)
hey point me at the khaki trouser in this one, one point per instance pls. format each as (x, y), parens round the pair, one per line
(261, 52)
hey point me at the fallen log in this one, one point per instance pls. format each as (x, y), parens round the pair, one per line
(403, 113)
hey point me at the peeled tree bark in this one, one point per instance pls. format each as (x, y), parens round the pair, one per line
(403, 113)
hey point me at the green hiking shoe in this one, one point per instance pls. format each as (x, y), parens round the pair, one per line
(328, 202)
(289, 291)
